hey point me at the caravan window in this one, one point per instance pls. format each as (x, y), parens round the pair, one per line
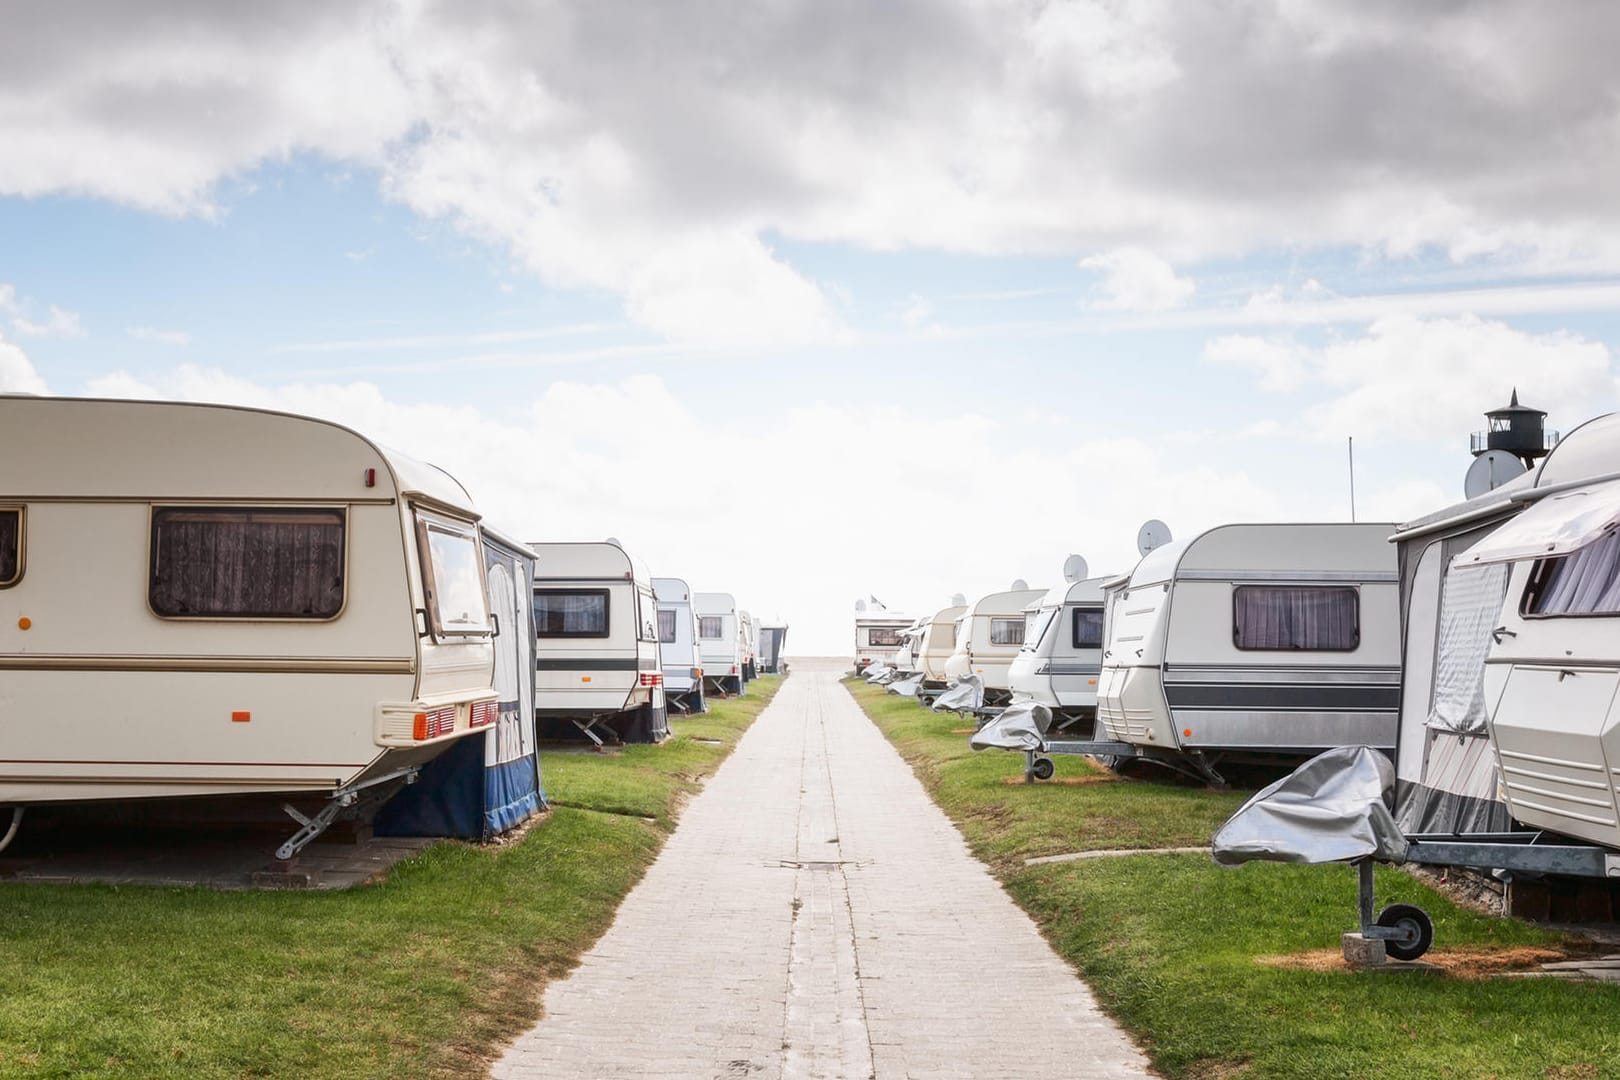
(666, 626)
(1006, 631)
(1312, 618)
(246, 563)
(709, 627)
(452, 576)
(569, 613)
(882, 636)
(11, 540)
(1088, 628)
(1584, 582)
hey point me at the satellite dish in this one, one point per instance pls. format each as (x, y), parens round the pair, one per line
(1490, 471)
(1019, 585)
(1074, 568)
(958, 600)
(860, 605)
(1153, 534)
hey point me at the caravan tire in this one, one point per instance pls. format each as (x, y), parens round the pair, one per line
(1043, 768)
(1416, 922)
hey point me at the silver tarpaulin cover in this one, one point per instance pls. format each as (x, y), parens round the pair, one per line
(875, 672)
(1021, 726)
(906, 687)
(966, 696)
(1334, 807)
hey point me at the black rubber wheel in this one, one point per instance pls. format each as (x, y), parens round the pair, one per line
(1416, 922)
(1043, 768)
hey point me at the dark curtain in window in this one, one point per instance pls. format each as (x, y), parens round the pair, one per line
(1584, 583)
(568, 614)
(282, 564)
(1006, 631)
(10, 544)
(1088, 629)
(666, 627)
(1295, 617)
(882, 635)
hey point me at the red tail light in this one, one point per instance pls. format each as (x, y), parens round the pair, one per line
(434, 722)
(484, 713)
(734, 669)
(652, 678)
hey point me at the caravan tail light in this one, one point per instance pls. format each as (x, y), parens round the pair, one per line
(484, 713)
(734, 669)
(434, 722)
(652, 678)
(697, 673)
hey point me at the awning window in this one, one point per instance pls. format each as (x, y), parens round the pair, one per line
(1557, 525)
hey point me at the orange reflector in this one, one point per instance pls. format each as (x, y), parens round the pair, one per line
(419, 727)
(241, 717)
(584, 678)
(25, 623)
(1093, 682)
(1187, 731)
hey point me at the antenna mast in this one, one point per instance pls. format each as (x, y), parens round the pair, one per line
(1351, 443)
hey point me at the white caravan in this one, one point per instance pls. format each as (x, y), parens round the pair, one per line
(938, 643)
(1061, 658)
(1554, 658)
(719, 642)
(911, 640)
(772, 646)
(991, 633)
(596, 623)
(878, 638)
(678, 645)
(1255, 639)
(207, 600)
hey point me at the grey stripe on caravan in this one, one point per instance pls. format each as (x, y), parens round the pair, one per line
(627, 663)
(1286, 698)
(1074, 669)
(1242, 577)
(1284, 675)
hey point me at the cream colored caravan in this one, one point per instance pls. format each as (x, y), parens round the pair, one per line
(598, 661)
(207, 600)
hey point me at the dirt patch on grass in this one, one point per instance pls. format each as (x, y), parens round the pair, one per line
(1463, 962)
(1216, 1069)
(963, 730)
(1065, 781)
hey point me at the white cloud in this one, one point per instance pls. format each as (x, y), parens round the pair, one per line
(160, 337)
(57, 322)
(1407, 377)
(17, 374)
(1135, 279)
(671, 154)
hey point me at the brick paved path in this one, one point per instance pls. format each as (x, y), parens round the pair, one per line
(815, 915)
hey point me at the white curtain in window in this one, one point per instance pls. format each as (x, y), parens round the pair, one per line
(1294, 617)
(1585, 582)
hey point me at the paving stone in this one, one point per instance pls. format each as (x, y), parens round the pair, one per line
(816, 915)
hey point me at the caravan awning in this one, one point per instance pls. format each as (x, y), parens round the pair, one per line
(1557, 525)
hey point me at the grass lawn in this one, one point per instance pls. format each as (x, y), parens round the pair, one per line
(423, 975)
(1230, 973)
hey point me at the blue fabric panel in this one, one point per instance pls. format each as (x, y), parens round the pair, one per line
(510, 797)
(446, 800)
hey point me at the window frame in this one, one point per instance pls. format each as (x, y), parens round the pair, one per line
(720, 636)
(576, 635)
(22, 542)
(1354, 590)
(895, 644)
(1102, 626)
(156, 510)
(674, 626)
(427, 521)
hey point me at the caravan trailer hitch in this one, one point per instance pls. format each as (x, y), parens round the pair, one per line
(342, 800)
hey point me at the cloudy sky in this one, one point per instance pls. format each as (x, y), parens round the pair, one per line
(813, 299)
